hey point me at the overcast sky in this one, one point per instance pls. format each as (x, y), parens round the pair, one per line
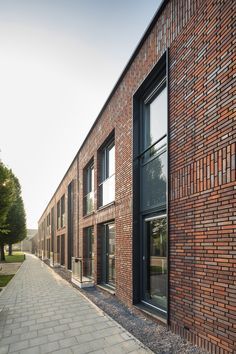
(59, 60)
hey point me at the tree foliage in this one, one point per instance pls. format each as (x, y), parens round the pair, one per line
(7, 194)
(16, 222)
(12, 212)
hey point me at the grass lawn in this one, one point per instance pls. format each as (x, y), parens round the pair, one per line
(4, 279)
(16, 257)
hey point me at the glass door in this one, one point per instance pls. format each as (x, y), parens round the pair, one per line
(89, 258)
(62, 249)
(155, 262)
(111, 254)
(108, 255)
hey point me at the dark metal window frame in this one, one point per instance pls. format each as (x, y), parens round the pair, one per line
(105, 161)
(145, 92)
(58, 214)
(104, 164)
(89, 249)
(70, 223)
(88, 183)
(63, 210)
(104, 261)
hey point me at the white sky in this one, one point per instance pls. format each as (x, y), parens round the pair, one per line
(59, 60)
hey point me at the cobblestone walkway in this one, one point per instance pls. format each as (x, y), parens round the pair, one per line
(42, 314)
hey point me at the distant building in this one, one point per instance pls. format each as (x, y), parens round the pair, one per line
(28, 244)
(34, 241)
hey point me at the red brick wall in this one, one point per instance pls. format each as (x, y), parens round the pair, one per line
(202, 185)
(71, 175)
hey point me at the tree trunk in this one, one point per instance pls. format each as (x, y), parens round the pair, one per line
(2, 254)
(10, 249)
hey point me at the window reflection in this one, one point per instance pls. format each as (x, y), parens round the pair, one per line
(89, 253)
(154, 177)
(155, 119)
(89, 190)
(111, 255)
(108, 190)
(107, 185)
(156, 266)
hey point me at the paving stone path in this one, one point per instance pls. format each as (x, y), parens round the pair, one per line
(44, 314)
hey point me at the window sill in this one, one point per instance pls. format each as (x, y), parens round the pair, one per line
(107, 288)
(106, 206)
(61, 229)
(89, 214)
(150, 313)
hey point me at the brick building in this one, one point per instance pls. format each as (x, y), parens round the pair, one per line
(146, 208)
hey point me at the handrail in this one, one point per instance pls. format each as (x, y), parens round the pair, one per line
(149, 147)
(100, 184)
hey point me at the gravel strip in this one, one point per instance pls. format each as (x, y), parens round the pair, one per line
(156, 337)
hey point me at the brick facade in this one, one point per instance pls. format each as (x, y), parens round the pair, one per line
(53, 233)
(201, 153)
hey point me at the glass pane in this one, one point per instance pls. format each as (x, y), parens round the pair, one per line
(62, 249)
(58, 244)
(156, 267)
(154, 177)
(155, 123)
(89, 256)
(89, 202)
(111, 161)
(111, 254)
(92, 179)
(108, 190)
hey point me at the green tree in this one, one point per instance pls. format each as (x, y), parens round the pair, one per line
(17, 223)
(7, 195)
(14, 228)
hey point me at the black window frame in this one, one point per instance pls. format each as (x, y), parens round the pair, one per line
(104, 167)
(89, 251)
(149, 153)
(58, 214)
(89, 187)
(145, 91)
(63, 210)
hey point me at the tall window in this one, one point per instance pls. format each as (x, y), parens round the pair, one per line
(49, 223)
(63, 211)
(154, 156)
(150, 189)
(89, 189)
(108, 255)
(58, 215)
(107, 185)
(89, 252)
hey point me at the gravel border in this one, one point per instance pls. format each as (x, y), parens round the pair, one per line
(156, 337)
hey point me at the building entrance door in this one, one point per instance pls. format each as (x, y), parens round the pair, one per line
(89, 253)
(70, 224)
(62, 249)
(155, 262)
(108, 255)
